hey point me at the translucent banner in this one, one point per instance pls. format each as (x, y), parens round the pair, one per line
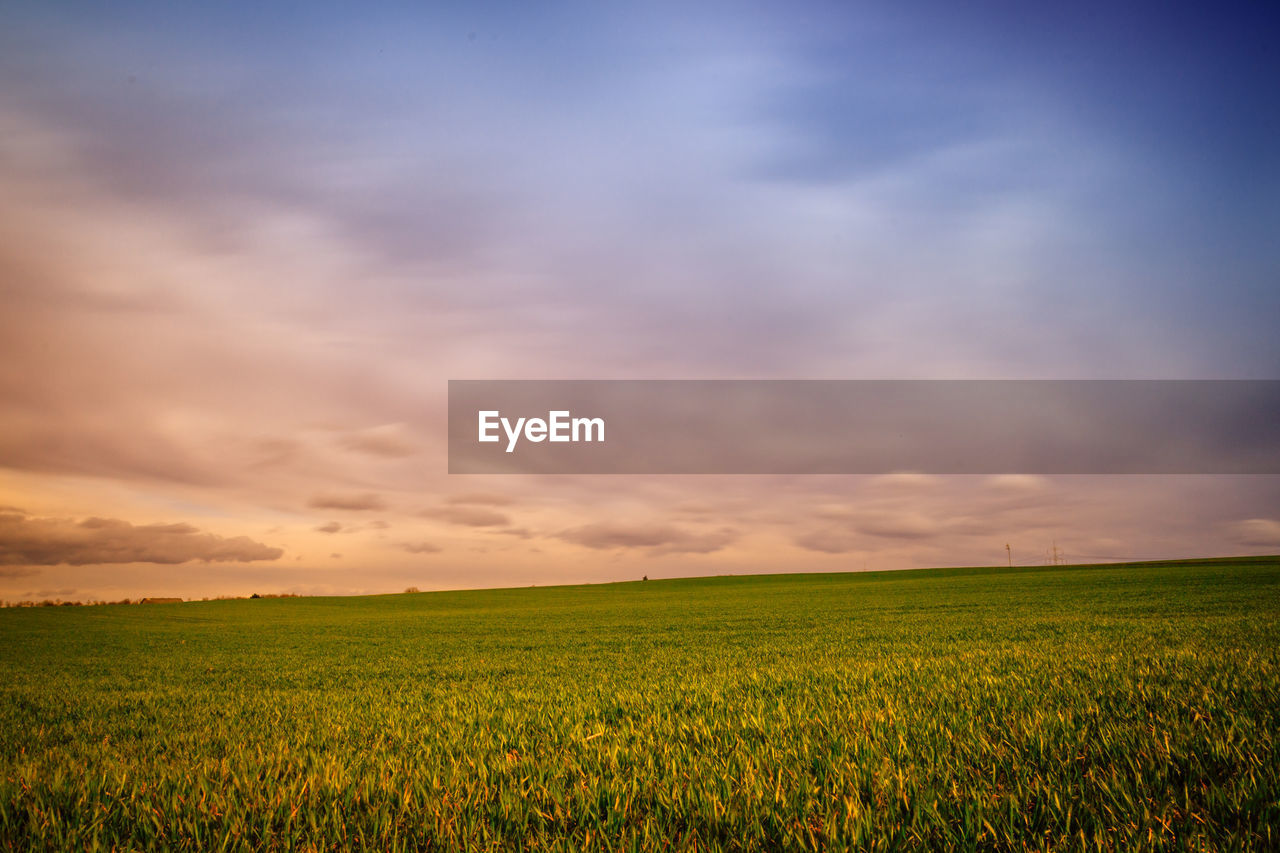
(864, 426)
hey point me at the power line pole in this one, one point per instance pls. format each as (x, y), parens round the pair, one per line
(1010, 553)
(1055, 552)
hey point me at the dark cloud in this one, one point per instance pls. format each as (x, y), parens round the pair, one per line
(360, 502)
(421, 547)
(656, 539)
(329, 527)
(467, 516)
(53, 541)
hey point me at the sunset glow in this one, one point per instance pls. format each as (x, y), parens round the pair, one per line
(242, 253)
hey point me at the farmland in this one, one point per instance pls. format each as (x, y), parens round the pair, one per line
(1109, 707)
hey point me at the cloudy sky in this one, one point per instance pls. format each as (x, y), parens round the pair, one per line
(242, 251)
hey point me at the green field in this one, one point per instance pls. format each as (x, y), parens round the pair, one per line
(1116, 707)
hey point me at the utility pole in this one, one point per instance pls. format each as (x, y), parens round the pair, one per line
(1055, 552)
(1010, 553)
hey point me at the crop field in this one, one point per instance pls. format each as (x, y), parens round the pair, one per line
(1068, 708)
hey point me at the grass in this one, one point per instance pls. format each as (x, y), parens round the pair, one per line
(1074, 708)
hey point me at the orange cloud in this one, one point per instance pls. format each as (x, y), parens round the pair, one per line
(421, 547)
(467, 516)
(483, 498)
(656, 539)
(391, 441)
(54, 541)
(898, 525)
(16, 571)
(357, 503)
(828, 541)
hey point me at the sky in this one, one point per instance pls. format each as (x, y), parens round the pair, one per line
(243, 249)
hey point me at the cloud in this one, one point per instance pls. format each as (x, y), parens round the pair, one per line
(906, 480)
(274, 451)
(604, 535)
(55, 541)
(17, 571)
(467, 516)
(897, 525)
(829, 541)
(421, 547)
(1264, 532)
(329, 527)
(844, 536)
(391, 441)
(656, 539)
(52, 593)
(1016, 483)
(483, 498)
(697, 543)
(360, 502)
(139, 267)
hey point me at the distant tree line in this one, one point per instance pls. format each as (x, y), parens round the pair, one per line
(58, 602)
